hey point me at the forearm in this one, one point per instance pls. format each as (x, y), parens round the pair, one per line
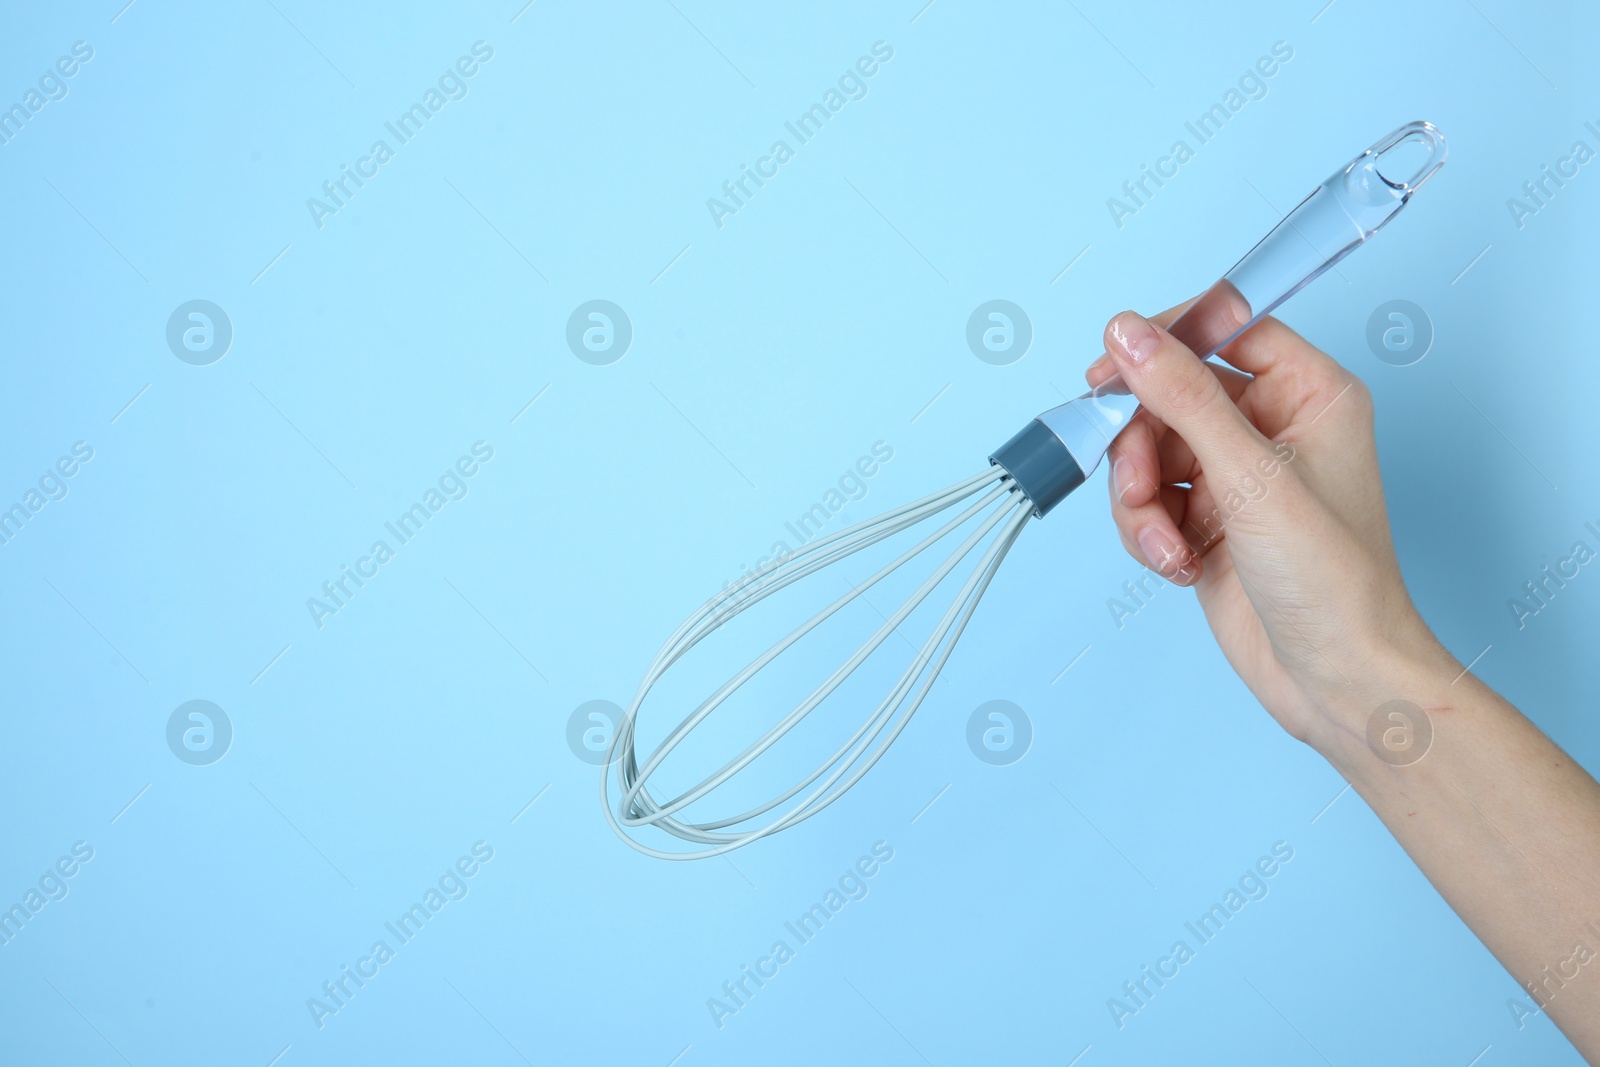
(1503, 823)
(1304, 594)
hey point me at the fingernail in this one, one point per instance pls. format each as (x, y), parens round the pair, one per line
(1124, 475)
(1098, 363)
(1134, 335)
(1169, 562)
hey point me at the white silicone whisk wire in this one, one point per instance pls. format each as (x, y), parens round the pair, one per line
(1009, 511)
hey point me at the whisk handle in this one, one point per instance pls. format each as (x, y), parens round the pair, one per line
(1041, 464)
(1057, 451)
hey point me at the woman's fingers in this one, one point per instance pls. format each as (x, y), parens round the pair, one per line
(1136, 469)
(1173, 460)
(1270, 345)
(1183, 393)
(1101, 368)
(1149, 531)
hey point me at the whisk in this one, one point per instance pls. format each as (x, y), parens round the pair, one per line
(1027, 477)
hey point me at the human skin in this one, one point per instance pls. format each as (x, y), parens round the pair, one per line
(1302, 590)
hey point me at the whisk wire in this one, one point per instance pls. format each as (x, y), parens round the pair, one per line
(946, 634)
(637, 807)
(782, 727)
(764, 583)
(822, 692)
(846, 542)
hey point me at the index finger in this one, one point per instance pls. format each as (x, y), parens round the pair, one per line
(1202, 324)
(1101, 370)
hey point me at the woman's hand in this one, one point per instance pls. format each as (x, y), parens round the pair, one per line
(1262, 490)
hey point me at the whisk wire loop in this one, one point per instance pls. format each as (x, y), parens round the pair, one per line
(638, 807)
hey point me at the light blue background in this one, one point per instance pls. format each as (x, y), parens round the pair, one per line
(767, 356)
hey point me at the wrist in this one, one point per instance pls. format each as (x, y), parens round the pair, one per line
(1380, 708)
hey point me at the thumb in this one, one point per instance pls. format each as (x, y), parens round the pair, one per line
(1180, 390)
